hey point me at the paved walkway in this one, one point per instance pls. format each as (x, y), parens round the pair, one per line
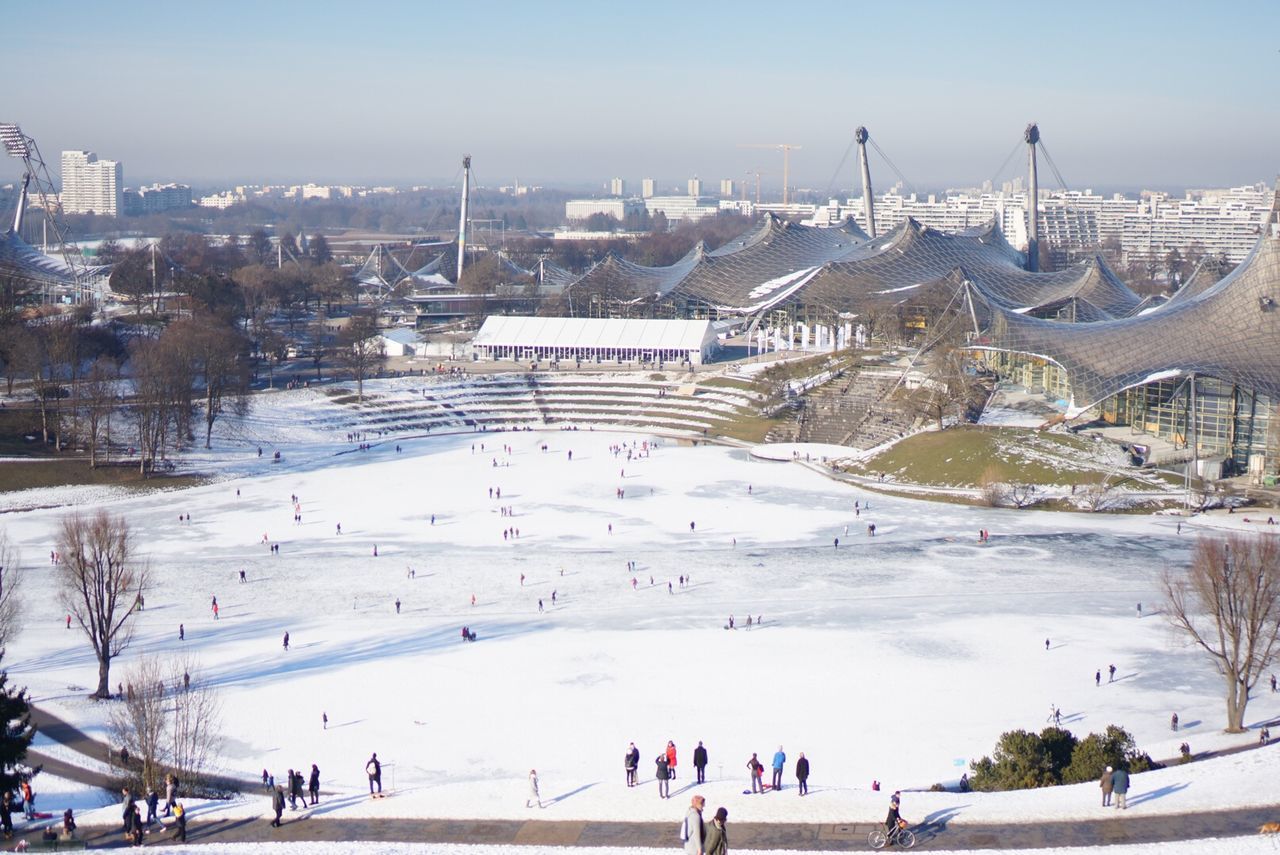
(941, 830)
(935, 833)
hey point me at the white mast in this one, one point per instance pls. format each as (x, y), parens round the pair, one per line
(462, 219)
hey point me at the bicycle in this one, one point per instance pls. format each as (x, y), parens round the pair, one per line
(899, 836)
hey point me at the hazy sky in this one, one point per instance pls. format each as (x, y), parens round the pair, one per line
(1127, 94)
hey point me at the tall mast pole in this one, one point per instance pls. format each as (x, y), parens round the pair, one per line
(1032, 136)
(861, 136)
(462, 218)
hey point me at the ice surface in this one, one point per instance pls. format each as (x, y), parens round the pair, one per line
(898, 658)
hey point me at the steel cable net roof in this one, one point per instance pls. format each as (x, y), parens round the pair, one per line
(1230, 331)
(20, 260)
(903, 264)
(615, 278)
(748, 273)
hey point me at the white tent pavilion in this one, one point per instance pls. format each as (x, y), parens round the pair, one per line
(595, 339)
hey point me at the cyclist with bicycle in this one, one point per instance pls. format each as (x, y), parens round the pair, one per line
(893, 821)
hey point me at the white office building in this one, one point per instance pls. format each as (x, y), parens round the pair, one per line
(91, 186)
(617, 187)
(676, 208)
(1212, 222)
(576, 210)
(695, 186)
(726, 188)
(646, 187)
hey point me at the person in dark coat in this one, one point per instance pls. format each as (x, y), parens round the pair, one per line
(299, 783)
(1120, 785)
(6, 814)
(153, 805)
(136, 834)
(700, 762)
(717, 839)
(631, 762)
(663, 776)
(180, 820)
(126, 812)
(374, 770)
(313, 785)
(893, 819)
(277, 805)
(802, 773)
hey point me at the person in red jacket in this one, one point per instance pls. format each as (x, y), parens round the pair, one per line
(671, 759)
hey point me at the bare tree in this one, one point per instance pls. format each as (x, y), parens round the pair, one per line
(64, 361)
(101, 581)
(1228, 603)
(318, 333)
(993, 490)
(1022, 495)
(10, 580)
(194, 725)
(138, 724)
(38, 368)
(101, 386)
(170, 719)
(220, 356)
(358, 349)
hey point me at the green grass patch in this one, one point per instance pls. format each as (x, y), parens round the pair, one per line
(746, 427)
(961, 456)
(26, 475)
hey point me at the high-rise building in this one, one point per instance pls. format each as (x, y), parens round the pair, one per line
(617, 187)
(726, 188)
(646, 187)
(695, 186)
(91, 186)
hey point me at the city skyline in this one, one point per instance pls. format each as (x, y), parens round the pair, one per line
(571, 94)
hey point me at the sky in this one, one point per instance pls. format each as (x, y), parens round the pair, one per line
(1127, 94)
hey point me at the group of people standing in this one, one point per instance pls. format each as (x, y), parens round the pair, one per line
(296, 781)
(665, 769)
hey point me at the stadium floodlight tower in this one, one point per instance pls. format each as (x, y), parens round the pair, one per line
(1032, 136)
(18, 145)
(861, 136)
(462, 217)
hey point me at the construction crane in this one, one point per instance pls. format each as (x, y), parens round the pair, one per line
(785, 148)
(757, 173)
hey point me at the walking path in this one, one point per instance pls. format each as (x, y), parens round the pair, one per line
(940, 830)
(935, 833)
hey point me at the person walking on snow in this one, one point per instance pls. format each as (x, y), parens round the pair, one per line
(717, 840)
(700, 754)
(663, 776)
(286, 641)
(313, 785)
(534, 796)
(779, 761)
(692, 830)
(277, 805)
(1105, 783)
(671, 759)
(374, 770)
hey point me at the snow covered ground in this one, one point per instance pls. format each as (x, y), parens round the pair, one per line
(897, 658)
